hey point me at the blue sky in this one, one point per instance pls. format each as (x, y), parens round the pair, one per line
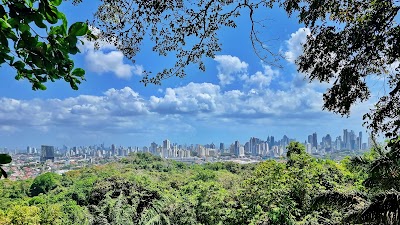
(236, 98)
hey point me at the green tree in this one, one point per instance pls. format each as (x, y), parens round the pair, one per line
(265, 197)
(24, 215)
(295, 147)
(4, 159)
(364, 44)
(37, 42)
(44, 183)
(187, 29)
(376, 203)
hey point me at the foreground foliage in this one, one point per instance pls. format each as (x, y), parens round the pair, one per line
(37, 42)
(144, 189)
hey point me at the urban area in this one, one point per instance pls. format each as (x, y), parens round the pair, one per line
(32, 161)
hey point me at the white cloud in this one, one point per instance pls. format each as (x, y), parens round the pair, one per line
(228, 66)
(295, 44)
(192, 98)
(119, 109)
(181, 110)
(260, 79)
(108, 59)
(100, 62)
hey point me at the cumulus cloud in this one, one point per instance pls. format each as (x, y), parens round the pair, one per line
(108, 59)
(295, 44)
(127, 112)
(122, 108)
(261, 79)
(192, 98)
(228, 66)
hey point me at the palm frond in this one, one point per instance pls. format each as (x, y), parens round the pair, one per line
(155, 214)
(338, 199)
(383, 209)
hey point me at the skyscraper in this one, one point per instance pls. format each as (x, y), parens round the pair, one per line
(212, 146)
(153, 148)
(252, 146)
(315, 141)
(166, 148)
(237, 148)
(47, 153)
(310, 140)
(113, 150)
(328, 141)
(221, 147)
(272, 141)
(346, 139)
(352, 140)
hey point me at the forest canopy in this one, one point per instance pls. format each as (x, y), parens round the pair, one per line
(145, 189)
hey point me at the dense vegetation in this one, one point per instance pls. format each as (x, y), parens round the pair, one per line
(144, 189)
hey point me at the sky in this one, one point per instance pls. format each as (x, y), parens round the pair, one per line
(236, 98)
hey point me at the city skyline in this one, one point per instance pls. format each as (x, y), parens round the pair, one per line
(169, 142)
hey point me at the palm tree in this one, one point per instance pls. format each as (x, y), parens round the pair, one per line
(381, 203)
(155, 214)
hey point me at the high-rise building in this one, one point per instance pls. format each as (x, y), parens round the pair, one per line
(212, 146)
(166, 148)
(310, 140)
(357, 145)
(272, 141)
(308, 148)
(113, 150)
(47, 153)
(266, 152)
(241, 151)
(346, 139)
(153, 148)
(285, 141)
(327, 142)
(221, 147)
(252, 146)
(353, 140)
(237, 148)
(166, 144)
(360, 140)
(315, 140)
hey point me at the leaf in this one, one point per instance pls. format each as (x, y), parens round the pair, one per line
(78, 72)
(64, 25)
(2, 11)
(4, 24)
(38, 62)
(24, 27)
(19, 65)
(78, 29)
(5, 158)
(29, 3)
(51, 14)
(56, 2)
(14, 23)
(38, 19)
(72, 40)
(4, 173)
(39, 86)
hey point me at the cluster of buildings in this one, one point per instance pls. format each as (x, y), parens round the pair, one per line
(29, 163)
(255, 147)
(348, 142)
